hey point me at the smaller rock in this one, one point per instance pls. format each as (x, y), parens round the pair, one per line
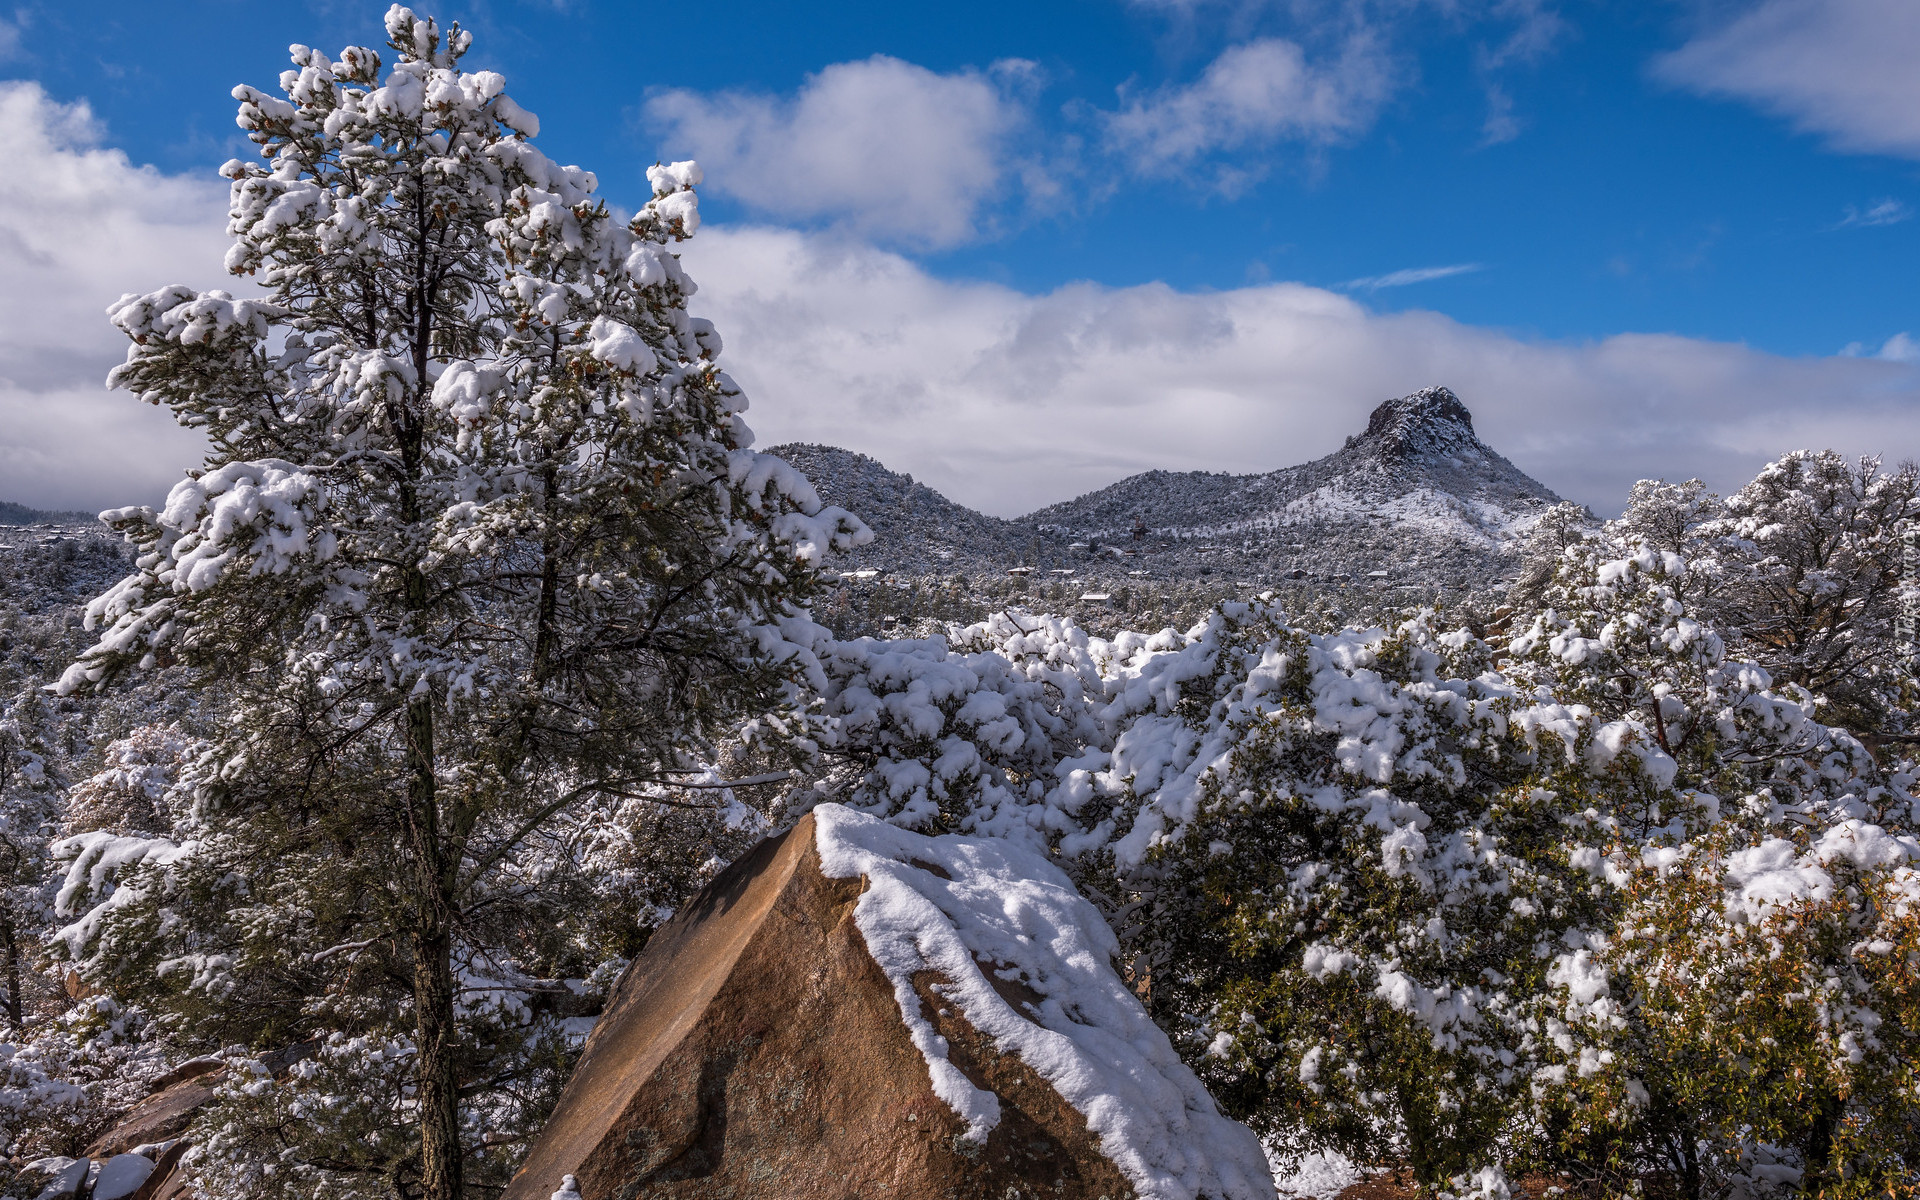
(121, 1176)
(189, 1069)
(68, 1183)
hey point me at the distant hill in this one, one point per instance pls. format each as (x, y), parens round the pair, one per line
(1416, 498)
(20, 514)
(916, 530)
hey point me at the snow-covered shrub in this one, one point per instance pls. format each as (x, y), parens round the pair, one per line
(959, 732)
(1350, 852)
(1727, 1007)
(36, 1092)
(133, 791)
(347, 1097)
(1392, 889)
(1755, 998)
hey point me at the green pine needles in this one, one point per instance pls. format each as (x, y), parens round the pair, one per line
(479, 550)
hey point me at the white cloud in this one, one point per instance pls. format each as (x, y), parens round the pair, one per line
(1252, 96)
(1900, 348)
(1884, 212)
(1843, 68)
(1004, 400)
(1007, 401)
(883, 147)
(1402, 278)
(79, 226)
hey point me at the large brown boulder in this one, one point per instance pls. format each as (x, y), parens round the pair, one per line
(848, 1028)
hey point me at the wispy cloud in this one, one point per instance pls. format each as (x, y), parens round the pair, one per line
(1883, 212)
(1251, 97)
(1538, 25)
(10, 33)
(1401, 278)
(1843, 68)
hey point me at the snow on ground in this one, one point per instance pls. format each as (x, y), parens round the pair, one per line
(1319, 1176)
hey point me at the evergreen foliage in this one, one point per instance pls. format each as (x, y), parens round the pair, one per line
(479, 559)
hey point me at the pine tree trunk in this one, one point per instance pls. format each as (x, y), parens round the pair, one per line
(435, 862)
(16, 1012)
(438, 1081)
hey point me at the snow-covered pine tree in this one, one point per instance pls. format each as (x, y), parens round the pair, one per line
(479, 540)
(1800, 572)
(1565, 524)
(1809, 561)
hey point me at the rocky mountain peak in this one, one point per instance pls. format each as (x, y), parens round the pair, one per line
(1430, 422)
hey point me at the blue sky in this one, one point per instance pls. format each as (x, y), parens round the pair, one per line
(1077, 239)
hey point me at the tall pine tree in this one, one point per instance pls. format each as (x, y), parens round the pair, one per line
(479, 541)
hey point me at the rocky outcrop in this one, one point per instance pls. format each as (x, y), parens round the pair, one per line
(161, 1117)
(763, 1045)
(1416, 495)
(140, 1156)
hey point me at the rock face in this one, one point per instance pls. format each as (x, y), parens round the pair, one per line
(757, 1049)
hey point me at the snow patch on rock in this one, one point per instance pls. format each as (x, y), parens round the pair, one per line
(962, 906)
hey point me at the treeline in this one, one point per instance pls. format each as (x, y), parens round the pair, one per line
(896, 605)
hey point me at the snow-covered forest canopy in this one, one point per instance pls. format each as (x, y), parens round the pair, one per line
(352, 777)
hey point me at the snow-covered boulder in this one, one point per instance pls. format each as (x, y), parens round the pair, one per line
(854, 1009)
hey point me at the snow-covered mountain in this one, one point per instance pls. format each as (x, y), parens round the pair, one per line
(1416, 498)
(1416, 494)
